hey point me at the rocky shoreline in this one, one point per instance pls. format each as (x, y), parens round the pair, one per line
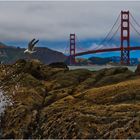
(51, 101)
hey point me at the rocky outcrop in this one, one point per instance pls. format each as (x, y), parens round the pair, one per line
(54, 102)
(137, 71)
(58, 65)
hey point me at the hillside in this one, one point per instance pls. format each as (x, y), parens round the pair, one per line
(53, 102)
(100, 61)
(2, 44)
(9, 55)
(114, 60)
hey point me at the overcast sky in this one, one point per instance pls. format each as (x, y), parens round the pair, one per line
(54, 21)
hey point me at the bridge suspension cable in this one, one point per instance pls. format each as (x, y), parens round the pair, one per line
(78, 47)
(134, 28)
(113, 35)
(136, 24)
(135, 20)
(110, 31)
(66, 48)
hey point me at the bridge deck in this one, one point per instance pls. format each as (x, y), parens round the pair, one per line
(106, 50)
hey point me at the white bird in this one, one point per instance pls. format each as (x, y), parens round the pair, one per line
(31, 46)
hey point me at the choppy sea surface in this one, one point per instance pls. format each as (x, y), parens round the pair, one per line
(99, 67)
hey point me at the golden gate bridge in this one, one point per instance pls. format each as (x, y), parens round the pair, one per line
(125, 47)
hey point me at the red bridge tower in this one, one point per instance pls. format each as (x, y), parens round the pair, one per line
(72, 49)
(125, 38)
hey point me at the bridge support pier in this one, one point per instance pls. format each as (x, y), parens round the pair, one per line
(125, 38)
(72, 49)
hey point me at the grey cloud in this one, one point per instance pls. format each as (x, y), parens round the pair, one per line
(55, 20)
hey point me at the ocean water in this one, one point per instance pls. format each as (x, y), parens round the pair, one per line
(99, 67)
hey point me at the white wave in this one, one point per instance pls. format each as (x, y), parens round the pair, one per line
(4, 102)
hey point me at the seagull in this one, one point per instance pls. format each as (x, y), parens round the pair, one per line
(31, 46)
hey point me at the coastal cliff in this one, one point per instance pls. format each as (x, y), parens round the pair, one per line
(47, 101)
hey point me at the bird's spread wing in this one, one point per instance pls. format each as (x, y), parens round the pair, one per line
(30, 44)
(35, 42)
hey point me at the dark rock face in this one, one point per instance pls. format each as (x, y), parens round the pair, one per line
(58, 65)
(52, 102)
(137, 71)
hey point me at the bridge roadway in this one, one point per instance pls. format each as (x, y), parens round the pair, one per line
(106, 50)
